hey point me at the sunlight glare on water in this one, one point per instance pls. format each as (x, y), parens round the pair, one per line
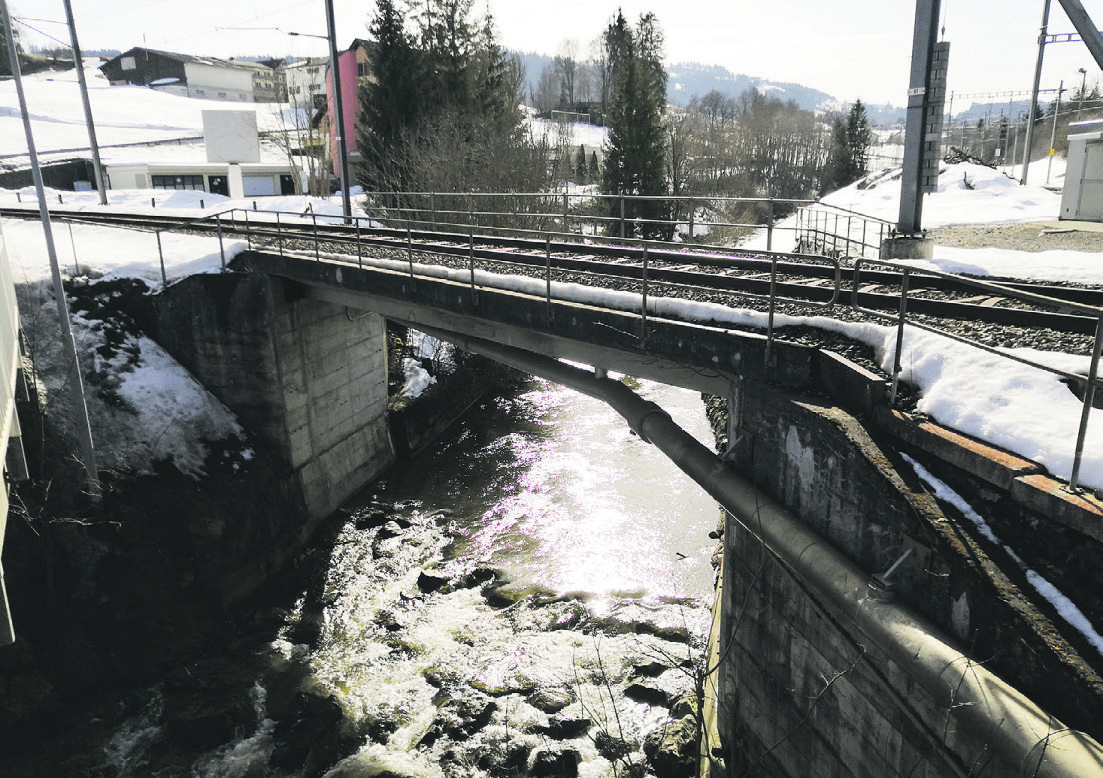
(595, 509)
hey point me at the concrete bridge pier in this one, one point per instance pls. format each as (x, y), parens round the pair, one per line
(308, 377)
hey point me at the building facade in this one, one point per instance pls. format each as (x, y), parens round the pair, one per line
(193, 76)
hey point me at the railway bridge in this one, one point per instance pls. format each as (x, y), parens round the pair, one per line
(857, 618)
(864, 624)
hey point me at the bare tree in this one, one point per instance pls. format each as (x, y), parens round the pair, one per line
(567, 69)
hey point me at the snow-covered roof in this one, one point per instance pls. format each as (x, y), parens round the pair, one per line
(192, 58)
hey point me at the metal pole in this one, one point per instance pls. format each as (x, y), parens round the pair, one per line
(547, 275)
(359, 248)
(643, 306)
(924, 37)
(1089, 400)
(97, 167)
(770, 321)
(770, 227)
(161, 254)
(73, 243)
(1053, 134)
(1034, 92)
(314, 217)
(896, 366)
(1083, 85)
(221, 247)
(471, 258)
(339, 123)
(80, 406)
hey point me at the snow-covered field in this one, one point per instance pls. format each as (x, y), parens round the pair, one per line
(1019, 408)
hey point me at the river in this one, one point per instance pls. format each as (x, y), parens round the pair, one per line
(531, 592)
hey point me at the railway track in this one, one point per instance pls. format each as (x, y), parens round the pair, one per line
(789, 279)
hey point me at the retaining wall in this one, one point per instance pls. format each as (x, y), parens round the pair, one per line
(804, 689)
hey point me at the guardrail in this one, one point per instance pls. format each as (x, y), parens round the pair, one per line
(840, 232)
(1090, 382)
(649, 284)
(583, 215)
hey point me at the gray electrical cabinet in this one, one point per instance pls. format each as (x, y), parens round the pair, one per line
(1082, 198)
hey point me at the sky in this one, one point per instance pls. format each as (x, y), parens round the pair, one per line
(850, 49)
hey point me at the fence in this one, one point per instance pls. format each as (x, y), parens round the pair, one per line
(586, 215)
(838, 232)
(1089, 382)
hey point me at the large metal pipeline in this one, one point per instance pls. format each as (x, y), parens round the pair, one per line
(979, 702)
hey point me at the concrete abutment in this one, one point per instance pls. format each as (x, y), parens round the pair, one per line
(821, 675)
(308, 377)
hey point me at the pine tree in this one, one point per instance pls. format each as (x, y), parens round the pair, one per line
(580, 165)
(389, 104)
(443, 101)
(635, 160)
(595, 167)
(851, 139)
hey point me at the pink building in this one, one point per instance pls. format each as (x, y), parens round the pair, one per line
(355, 66)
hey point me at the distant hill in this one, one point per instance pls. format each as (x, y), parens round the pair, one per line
(689, 80)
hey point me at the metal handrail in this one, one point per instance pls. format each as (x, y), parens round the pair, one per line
(566, 216)
(814, 231)
(646, 279)
(1091, 380)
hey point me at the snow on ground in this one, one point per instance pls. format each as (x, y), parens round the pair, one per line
(123, 114)
(967, 194)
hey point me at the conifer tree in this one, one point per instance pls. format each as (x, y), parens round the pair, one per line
(580, 165)
(851, 139)
(442, 101)
(635, 160)
(389, 104)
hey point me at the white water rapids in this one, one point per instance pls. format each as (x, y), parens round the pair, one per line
(600, 552)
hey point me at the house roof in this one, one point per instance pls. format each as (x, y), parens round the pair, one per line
(192, 58)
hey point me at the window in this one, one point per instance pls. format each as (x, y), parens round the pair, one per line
(128, 63)
(221, 94)
(363, 68)
(178, 182)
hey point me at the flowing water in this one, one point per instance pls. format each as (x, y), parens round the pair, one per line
(537, 587)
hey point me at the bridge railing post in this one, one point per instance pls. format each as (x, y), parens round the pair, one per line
(471, 260)
(897, 366)
(248, 232)
(359, 248)
(622, 217)
(410, 248)
(643, 305)
(314, 218)
(221, 246)
(1089, 401)
(773, 304)
(279, 234)
(770, 225)
(547, 276)
(161, 254)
